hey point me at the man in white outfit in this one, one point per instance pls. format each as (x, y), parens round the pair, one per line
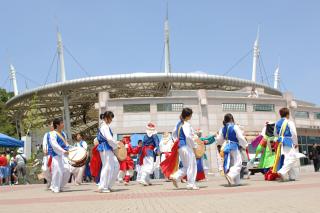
(150, 148)
(45, 148)
(187, 146)
(58, 149)
(79, 171)
(110, 164)
(231, 138)
(287, 133)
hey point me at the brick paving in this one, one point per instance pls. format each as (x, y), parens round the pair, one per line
(254, 195)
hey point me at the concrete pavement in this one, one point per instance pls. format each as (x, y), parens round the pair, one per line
(254, 195)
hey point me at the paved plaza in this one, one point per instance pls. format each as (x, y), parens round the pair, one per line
(254, 195)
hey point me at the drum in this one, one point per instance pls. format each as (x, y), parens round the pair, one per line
(200, 148)
(77, 156)
(121, 152)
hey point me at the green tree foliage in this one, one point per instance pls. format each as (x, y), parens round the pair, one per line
(7, 126)
(33, 118)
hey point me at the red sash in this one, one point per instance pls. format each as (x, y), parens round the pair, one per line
(171, 164)
(95, 162)
(49, 162)
(144, 153)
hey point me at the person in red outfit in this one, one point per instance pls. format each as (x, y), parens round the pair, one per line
(3, 166)
(127, 165)
(95, 162)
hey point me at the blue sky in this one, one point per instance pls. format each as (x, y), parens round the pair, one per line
(125, 36)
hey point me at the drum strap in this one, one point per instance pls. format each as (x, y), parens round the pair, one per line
(278, 152)
(62, 138)
(227, 133)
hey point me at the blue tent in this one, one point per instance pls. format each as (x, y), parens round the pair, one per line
(6, 141)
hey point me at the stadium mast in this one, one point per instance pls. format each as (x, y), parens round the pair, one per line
(14, 80)
(167, 65)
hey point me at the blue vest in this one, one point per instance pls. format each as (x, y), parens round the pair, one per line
(61, 144)
(232, 145)
(103, 142)
(287, 136)
(182, 136)
(48, 144)
(232, 136)
(151, 141)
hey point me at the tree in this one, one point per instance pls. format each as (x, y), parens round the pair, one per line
(33, 118)
(6, 125)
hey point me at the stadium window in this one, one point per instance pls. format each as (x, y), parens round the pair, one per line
(301, 114)
(136, 108)
(317, 115)
(169, 107)
(234, 107)
(263, 107)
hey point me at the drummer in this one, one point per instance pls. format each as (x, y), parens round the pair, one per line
(110, 164)
(58, 149)
(46, 155)
(79, 171)
(231, 138)
(127, 165)
(150, 146)
(186, 151)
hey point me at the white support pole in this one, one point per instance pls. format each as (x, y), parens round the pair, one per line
(276, 78)
(66, 112)
(256, 53)
(167, 65)
(14, 80)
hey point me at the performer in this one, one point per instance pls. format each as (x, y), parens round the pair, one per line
(288, 141)
(95, 162)
(58, 148)
(79, 171)
(127, 165)
(45, 144)
(138, 167)
(110, 164)
(150, 146)
(231, 139)
(185, 148)
(165, 146)
(202, 164)
(265, 145)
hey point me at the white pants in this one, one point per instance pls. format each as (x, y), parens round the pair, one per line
(60, 173)
(109, 171)
(205, 166)
(78, 174)
(235, 166)
(156, 168)
(138, 169)
(147, 168)
(46, 170)
(219, 161)
(289, 164)
(189, 168)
